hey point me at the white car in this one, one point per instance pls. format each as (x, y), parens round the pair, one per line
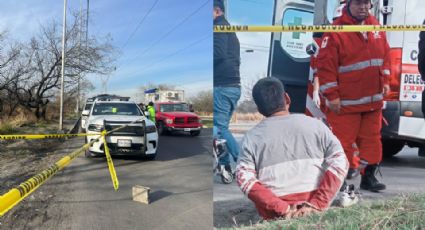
(140, 137)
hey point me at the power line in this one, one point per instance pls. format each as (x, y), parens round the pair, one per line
(150, 65)
(253, 48)
(139, 24)
(172, 30)
(259, 46)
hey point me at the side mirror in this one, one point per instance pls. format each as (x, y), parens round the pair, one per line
(146, 113)
(85, 113)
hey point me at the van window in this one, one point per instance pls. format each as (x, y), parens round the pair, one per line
(295, 43)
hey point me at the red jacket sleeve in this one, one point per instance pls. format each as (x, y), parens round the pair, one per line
(386, 67)
(327, 67)
(336, 166)
(267, 203)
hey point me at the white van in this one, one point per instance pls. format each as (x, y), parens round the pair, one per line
(404, 122)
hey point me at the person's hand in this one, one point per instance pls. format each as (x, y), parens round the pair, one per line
(316, 98)
(304, 211)
(300, 210)
(335, 105)
(386, 89)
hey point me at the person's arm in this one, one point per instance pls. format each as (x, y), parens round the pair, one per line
(421, 55)
(220, 47)
(316, 85)
(336, 167)
(327, 68)
(386, 67)
(248, 182)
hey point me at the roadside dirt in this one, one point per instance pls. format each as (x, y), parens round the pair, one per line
(20, 160)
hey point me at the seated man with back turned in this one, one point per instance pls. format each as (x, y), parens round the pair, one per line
(290, 164)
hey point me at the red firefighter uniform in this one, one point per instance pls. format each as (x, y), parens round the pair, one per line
(354, 67)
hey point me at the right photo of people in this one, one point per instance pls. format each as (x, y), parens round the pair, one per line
(319, 127)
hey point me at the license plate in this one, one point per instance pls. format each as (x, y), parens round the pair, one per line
(187, 129)
(124, 143)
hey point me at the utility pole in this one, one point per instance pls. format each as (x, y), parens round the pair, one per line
(63, 66)
(77, 109)
(87, 22)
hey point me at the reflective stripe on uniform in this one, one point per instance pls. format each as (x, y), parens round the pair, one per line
(326, 86)
(363, 100)
(376, 62)
(361, 65)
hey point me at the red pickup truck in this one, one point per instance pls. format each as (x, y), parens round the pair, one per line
(176, 116)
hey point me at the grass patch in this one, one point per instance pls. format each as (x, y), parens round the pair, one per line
(406, 212)
(208, 123)
(7, 128)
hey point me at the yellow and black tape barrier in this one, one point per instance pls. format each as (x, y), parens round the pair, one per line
(42, 136)
(111, 167)
(316, 28)
(16, 195)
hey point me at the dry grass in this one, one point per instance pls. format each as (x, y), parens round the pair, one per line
(404, 212)
(244, 117)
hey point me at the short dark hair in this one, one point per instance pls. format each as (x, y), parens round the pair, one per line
(150, 103)
(268, 96)
(219, 4)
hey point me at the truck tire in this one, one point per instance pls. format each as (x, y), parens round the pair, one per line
(391, 147)
(195, 133)
(150, 157)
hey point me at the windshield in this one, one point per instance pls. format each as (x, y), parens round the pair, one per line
(116, 109)
(174, 108)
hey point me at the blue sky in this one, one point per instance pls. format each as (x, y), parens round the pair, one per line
(146, 56)
(252, 12)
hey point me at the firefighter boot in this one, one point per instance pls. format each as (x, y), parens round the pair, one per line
(369, 181)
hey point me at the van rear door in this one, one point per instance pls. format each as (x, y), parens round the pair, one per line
(288, 60)
(411, 84)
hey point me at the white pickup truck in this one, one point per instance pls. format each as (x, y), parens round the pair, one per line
(139, 137)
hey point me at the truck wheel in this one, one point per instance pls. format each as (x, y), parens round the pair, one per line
(161, 129)
(195, 133)
(391, 147)
(150, 157)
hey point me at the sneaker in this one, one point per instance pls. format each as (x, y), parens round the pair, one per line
(348, 196)
(352, 173)
(226, 174)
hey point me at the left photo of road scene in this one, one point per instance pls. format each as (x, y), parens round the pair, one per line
(106, 114)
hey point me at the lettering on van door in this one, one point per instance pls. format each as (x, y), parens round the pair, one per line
(411, 87)
(295, 43)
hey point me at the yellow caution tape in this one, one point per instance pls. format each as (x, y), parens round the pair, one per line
(16, 195)
(317, 28)
(42, 136)
(114, 178)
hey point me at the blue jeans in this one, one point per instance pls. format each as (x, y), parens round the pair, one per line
(225, 101)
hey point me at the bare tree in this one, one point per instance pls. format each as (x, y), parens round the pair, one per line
(203, 101)
(43, 55)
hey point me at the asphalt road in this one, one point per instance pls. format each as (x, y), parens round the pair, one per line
(82, 195)
(403, 174)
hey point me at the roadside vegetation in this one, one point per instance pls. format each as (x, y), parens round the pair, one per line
(406, 212)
